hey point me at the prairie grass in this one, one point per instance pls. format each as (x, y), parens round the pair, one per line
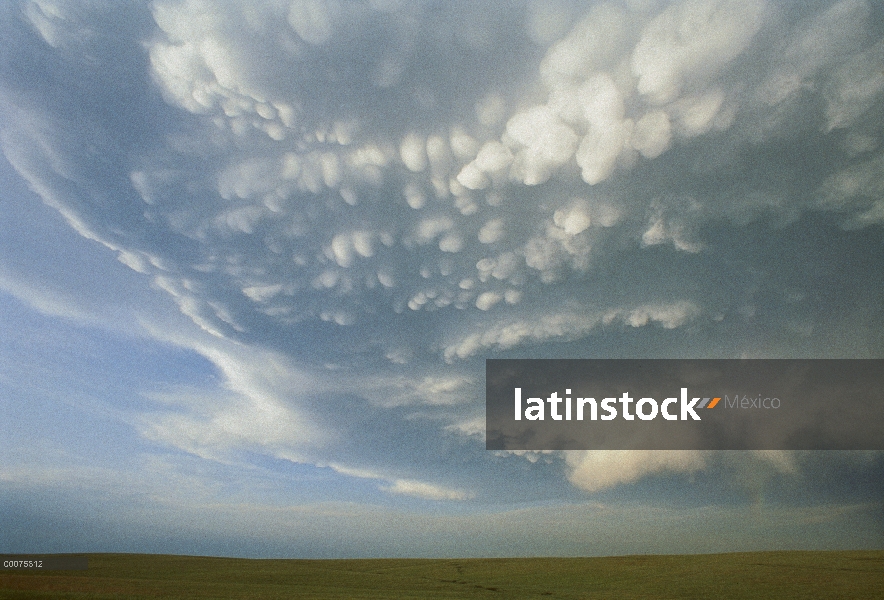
(752, 575)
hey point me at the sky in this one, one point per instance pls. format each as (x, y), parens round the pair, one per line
(253, 256)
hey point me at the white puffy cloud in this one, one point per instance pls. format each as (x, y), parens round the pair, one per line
(491, 231)
(487, 299)
(855, 87)
(652, 134)
(595, 470)
(314, 21)
(857, 189)
(599, 149)
(413, 153)
(595, 42)
(689, 42)
(575, 219)
(696, 115)
(618, 82)
(546, 143)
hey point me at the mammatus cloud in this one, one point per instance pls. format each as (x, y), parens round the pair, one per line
(362, 188)
(619, 85)
(428, 215)
(299, 205)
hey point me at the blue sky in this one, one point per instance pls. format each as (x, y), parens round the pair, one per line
(254, 255)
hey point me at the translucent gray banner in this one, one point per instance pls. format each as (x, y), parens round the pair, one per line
(677, 404)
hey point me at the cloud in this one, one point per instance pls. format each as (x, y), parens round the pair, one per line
(856, 189)
(424, 490)
(690, 42)
(166, 508)
(310, 207)
(594, 470)
(563, 326)
(260, 406)
(597, 470)
(407, 487)
(350, 197)
(45, 301)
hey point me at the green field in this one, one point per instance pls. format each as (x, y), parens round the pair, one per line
(854, 574)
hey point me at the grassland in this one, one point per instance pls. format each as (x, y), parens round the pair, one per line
(754, 575)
